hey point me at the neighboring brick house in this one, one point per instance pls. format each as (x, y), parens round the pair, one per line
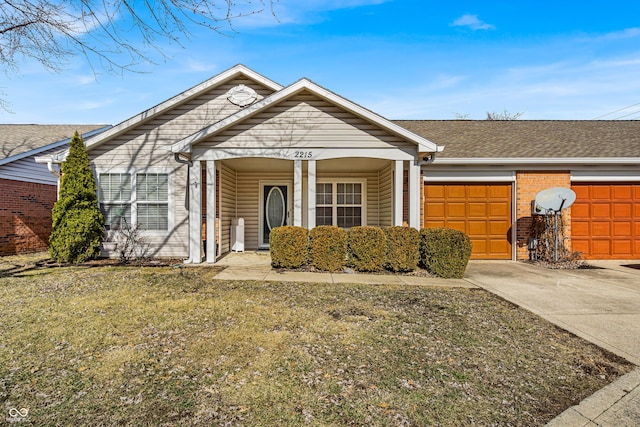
(28, 190)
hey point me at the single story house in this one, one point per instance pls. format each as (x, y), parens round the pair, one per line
(27, 189)
(240, 146)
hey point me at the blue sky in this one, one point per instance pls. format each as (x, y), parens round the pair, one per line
(404, 59)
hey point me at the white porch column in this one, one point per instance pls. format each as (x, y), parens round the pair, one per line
(311, 194)
(397, 192)
(297, 193)
(195, 213)
(414, 195)
(211, 211)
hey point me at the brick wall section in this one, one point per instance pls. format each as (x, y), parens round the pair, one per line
(25, 216)
(530, 183)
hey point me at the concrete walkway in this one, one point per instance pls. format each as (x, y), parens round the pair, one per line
(601, 305)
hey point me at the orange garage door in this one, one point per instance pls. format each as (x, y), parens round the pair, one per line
(483, 211)
(605, 220)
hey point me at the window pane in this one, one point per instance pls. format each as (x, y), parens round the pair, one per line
(117, 216)
(349, 216)
(152, 187)
(349, 194)
(114, 186)
(324, 216)
(340, 191)
(153, 216)
(324, 194)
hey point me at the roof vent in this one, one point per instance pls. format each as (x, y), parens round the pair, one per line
(242, 95)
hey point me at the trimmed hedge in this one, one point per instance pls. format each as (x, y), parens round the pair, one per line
(445, 252)
(327, 248)
(403, 248)
(367, 248)
(288, 246)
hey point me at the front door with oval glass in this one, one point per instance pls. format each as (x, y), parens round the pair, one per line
(275, 209)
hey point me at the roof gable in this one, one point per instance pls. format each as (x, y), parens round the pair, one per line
(194, 92)
(185, 145)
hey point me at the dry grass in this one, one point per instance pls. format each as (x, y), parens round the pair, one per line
(171, 346)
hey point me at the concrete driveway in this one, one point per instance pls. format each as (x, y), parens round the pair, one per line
(601, 304)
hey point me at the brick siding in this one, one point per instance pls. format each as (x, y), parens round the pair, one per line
(25, 216)
(530, 183)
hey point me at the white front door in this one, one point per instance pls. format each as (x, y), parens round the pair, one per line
(274, 209)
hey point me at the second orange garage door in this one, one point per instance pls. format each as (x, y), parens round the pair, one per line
(483, 211)
(605, 220)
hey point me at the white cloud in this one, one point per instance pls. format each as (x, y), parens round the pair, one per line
(297, 12)
(627, 33)
(569, 89)
(472, 22)
(85, 80)
(195, 66)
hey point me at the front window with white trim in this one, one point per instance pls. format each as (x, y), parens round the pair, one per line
(339, 203)
(114, 190)
(152, 191)
(142, 202)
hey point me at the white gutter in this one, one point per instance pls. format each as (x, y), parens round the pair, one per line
(537, 161)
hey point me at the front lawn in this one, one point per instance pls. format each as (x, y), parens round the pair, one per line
(171, 346)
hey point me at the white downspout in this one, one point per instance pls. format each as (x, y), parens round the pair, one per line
(57, 174)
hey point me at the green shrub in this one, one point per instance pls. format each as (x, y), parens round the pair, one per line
(366, 247)
(445, 252)
(327, 248)
(288, 246)
(78, 225)
(403, 248)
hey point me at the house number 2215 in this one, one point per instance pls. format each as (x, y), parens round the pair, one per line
(303, 154)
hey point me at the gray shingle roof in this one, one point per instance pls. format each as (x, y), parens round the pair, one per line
(18, 139)
(530, 138)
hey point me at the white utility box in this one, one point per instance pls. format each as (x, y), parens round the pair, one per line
(237, 234)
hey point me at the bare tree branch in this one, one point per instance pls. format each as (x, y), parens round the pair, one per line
(505, 115)
(113, 35)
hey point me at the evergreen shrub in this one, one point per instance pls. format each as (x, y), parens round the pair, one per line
(367, 248)
(327, 248)
(288, 246)
(78, 224)
(445, 252)
(403, 248)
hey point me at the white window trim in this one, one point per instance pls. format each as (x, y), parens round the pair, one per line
(604, 175)
(134, 200)
(334, 196)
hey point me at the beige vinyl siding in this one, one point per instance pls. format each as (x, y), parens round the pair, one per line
(145, 147)
(249, 200)
(174, 242)
(149, 141)
(228, 205)
(305, 121)
(385, 176)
